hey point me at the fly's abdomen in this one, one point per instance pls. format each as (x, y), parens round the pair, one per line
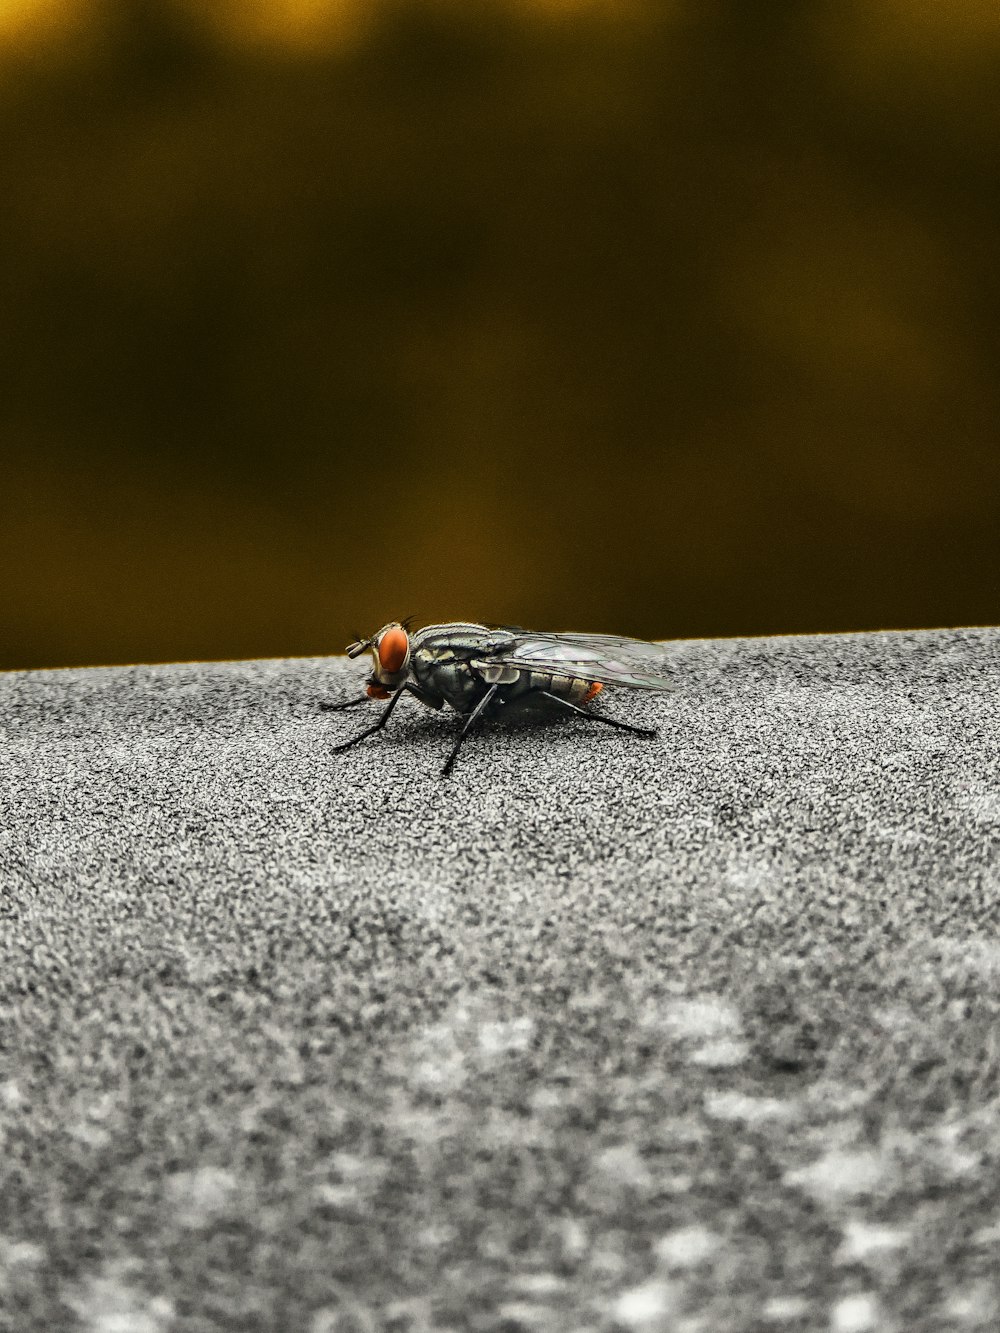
(531, 687)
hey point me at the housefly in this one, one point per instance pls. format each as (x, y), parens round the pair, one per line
(485, 672)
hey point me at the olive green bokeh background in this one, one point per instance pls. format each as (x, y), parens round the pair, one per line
(671, 319)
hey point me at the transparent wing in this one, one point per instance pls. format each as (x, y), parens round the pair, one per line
(599, 657)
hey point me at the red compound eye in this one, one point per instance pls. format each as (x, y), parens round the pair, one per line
(392, 649)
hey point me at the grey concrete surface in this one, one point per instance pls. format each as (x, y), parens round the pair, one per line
(697, 1033)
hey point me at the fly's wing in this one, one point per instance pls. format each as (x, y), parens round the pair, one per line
(598, 657)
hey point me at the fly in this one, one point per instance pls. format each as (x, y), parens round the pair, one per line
(485, 673)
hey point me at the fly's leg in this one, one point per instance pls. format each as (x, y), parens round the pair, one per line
(429, 699)
(483, 703)
(596, 717)
(376, 726)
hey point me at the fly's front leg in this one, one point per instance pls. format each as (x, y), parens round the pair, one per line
(351, 703)
(483, 703)
(376, 726)
(597, 717)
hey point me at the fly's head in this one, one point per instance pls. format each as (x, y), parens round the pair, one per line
(390, 650)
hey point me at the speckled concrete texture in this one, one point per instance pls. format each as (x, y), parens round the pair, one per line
(697, 1033)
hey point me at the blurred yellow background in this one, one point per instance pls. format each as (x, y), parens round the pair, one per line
(672, 318)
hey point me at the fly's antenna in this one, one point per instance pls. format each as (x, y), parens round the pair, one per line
(359, 646)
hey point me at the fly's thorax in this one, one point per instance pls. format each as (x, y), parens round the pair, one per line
(443, 657)
(448, 676)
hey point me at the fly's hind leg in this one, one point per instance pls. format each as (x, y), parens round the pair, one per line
(597, 717)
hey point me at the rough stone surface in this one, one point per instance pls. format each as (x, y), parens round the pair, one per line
(697, 1033)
